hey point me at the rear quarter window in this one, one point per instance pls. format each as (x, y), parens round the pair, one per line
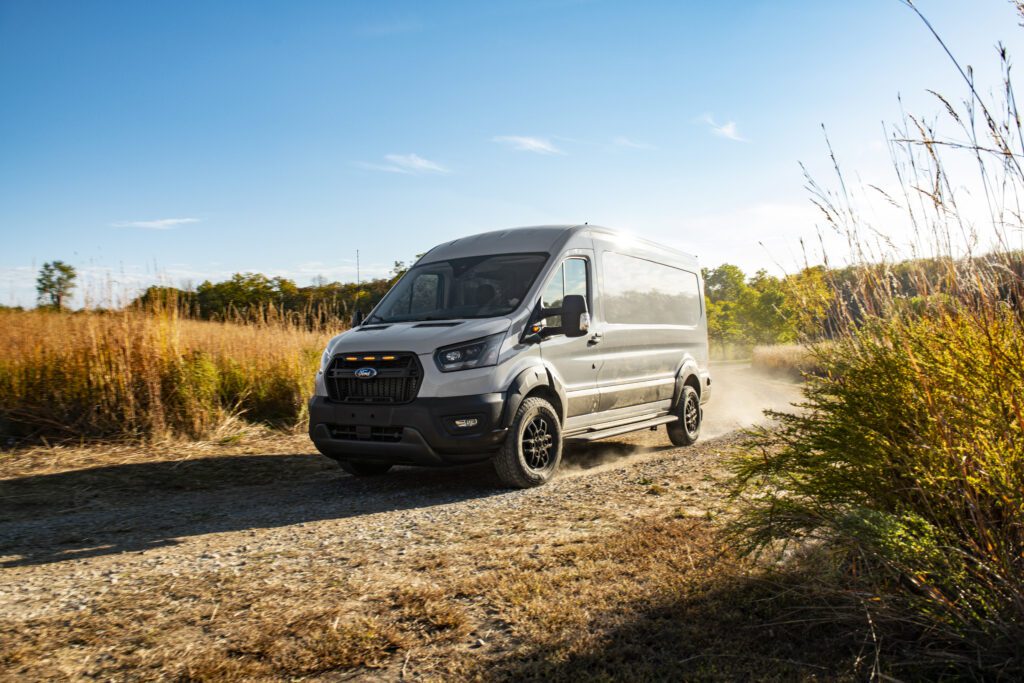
(642, 292)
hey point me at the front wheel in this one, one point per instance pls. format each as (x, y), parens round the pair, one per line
(686, 430)
(533, 447)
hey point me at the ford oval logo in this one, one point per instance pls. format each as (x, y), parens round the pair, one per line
(366, 373)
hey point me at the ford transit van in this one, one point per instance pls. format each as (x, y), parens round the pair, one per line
(506, 345)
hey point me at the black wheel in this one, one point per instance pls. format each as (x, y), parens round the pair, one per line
(358, 468)
(686, 430)
(533, 448)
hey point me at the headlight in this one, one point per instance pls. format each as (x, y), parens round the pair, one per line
(478, 353)
(325, 359)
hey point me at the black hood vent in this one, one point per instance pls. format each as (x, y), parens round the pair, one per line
(438, 324)
(370, 328)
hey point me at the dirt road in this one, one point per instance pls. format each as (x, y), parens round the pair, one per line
(257, 559)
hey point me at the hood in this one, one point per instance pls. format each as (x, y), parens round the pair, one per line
(417, 337)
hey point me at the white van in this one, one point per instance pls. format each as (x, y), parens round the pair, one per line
(506, 344)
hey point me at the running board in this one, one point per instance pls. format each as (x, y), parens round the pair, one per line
(623, 429)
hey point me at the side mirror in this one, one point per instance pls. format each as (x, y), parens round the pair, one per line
(575, 317)
(357, 318)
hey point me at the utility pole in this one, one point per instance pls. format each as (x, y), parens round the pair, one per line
(359, 280)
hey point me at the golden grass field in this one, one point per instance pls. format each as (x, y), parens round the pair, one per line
(149, 374)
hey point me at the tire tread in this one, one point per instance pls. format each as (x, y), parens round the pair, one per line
(507, 463)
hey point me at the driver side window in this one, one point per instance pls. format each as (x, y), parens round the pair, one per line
(570, 278)
(422, 298)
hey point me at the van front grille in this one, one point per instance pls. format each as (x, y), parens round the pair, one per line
(373, 378)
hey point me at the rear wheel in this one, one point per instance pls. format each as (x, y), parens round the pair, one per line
(359, 468)
(533, 447)
(686, 430)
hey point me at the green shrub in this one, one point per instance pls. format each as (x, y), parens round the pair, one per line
(909, 457)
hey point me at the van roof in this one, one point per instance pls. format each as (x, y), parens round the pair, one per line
(540, 238)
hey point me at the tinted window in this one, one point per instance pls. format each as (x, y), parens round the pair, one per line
(475, 287)
(570, 278)
(421, 297)
(638, 292)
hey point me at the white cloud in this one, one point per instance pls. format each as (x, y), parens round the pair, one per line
(528, 144)
(726, 130)
(622, 141)
(410, 164)
(415, 164)
(158, 224)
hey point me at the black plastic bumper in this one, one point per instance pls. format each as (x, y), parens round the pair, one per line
(418, 433)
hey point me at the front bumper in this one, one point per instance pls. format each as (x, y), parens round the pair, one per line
(416, 433)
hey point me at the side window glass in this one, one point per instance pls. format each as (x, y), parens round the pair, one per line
(570, 278)
(555, 291)
(576, 277)
(642, 292)
(424, 293)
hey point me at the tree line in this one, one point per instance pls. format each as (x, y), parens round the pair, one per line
(742, 310)
(252, 297)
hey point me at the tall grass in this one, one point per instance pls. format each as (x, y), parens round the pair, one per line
(146, 374)
(907, 461)
(791, 360)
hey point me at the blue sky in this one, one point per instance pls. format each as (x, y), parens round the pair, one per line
(190, 140)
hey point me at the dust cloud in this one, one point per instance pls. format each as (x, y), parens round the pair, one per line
(740, 397)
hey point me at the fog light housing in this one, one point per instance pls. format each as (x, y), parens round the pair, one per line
(465, 422)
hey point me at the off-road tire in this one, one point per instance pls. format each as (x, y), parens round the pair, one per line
(686, 430)
(533, 447)
(358, 468)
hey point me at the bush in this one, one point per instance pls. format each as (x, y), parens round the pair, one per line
(908, 456)
(906, 461)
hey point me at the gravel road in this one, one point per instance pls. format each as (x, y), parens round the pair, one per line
(284, 516)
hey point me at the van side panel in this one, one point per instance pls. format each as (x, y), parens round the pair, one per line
(651, 316)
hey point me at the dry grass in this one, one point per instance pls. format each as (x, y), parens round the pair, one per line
(793, 360)
(908, 458)
(148, 375)
(596, 579)
(662, 598)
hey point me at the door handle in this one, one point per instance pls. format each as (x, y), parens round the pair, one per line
(594, 339)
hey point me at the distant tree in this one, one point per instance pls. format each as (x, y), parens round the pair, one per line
(762, 309)
(809, 298)
(55, 282)
(766, 314)
(725, 283)
(401, 268)
(162, 298)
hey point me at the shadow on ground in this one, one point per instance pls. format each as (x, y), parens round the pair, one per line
(723, 627)
(137, 506)
(132, 507)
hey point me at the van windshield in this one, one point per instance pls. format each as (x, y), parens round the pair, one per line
(473, 287)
